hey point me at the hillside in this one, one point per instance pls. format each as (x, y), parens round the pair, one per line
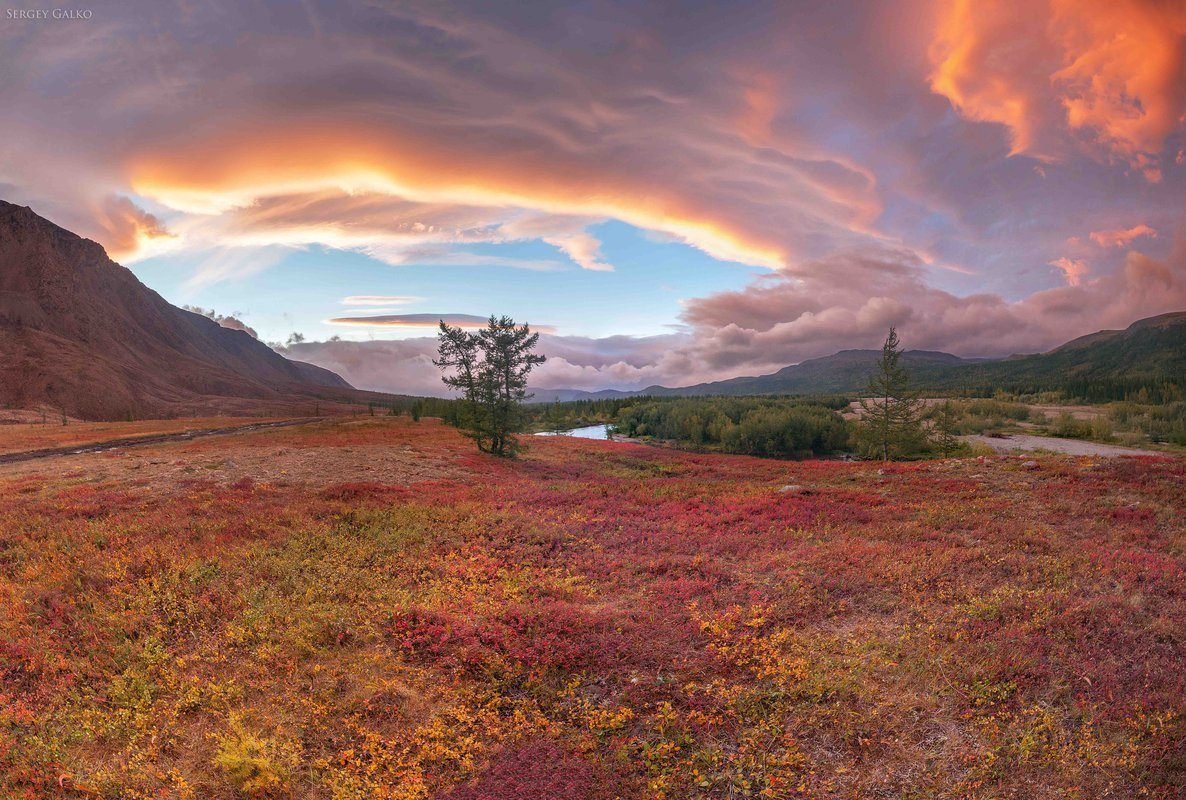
(1107, 365)
(80, 333)
(1148, 355)
(845, 371)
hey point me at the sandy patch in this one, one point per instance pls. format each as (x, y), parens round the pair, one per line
(1071, 447)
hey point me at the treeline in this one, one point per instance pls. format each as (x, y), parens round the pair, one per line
(1136, 390)
(402, 405)
(1128, 423)
(1160, 423)
(577, 413)
(748, 425)
(1153, 390)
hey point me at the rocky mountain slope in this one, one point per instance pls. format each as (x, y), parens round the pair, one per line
(80, 333)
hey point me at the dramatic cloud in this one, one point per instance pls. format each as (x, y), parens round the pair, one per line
(780, 320)
(1125, 74)
(855, 157)
(125, 227)
(978, 78)
(1111, 70)
(638, 137)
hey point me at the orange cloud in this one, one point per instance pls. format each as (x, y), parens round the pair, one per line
(1073, 269)
(1120, 238)
(1125, 73)
(970, 69)
(1110, 70)
(235, 169)
(125, 227)
(761, 97)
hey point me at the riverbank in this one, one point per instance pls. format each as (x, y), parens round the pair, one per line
(1009, 443)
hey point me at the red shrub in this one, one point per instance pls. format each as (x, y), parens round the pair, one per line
(539, 770)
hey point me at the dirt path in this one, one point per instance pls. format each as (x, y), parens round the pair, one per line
(140, 441)
(1071, 447)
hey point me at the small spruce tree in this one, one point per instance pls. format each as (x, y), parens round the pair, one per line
(944, 431)
(890, 424)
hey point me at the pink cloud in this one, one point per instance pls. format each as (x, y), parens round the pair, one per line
(846, 301)
(1107, 70)
(1072, 269)
(1121, 237)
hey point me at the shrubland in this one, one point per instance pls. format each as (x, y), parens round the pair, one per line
(748, 425)
(591, 620)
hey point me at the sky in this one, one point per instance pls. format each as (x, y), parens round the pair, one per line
(669, 192)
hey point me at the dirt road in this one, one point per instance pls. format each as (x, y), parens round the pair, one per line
(1071, 447)
(140, 441)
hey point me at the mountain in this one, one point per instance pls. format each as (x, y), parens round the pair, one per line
(80, 333)
(846, 371)
(1150, 354)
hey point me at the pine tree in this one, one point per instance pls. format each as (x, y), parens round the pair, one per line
(945, 438)
(458, 351)
(490, 368)
(890, 414)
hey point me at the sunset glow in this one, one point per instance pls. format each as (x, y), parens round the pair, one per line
(748, 190)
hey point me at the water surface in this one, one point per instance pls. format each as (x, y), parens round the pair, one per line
(587, 432)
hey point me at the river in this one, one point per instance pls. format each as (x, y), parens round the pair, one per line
(588, 432)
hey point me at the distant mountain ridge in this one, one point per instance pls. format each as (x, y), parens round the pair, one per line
(1105, 365)
(81, 333)
(834, 374)
(1149, 355)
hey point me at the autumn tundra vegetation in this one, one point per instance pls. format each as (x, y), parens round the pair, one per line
(369, 606)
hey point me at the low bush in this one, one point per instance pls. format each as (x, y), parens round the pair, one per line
(750, 425)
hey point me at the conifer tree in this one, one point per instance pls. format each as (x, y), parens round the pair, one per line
(490, 368)
(890, 413)
(945, 438)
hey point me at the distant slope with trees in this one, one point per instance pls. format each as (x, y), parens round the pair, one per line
(1145, 362)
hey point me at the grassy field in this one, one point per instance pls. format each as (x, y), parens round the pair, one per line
(371, 609)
